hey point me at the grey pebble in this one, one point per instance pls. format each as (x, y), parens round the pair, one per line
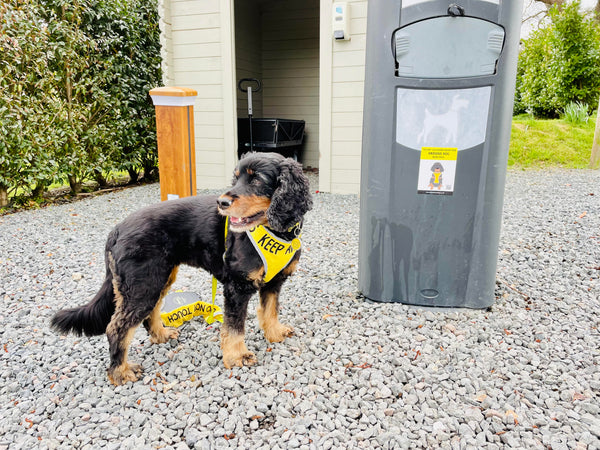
(523, 374)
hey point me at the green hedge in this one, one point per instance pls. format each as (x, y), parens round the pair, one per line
(74, 82)
(560, 64)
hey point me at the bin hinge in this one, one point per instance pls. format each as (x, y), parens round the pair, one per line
(455, 10)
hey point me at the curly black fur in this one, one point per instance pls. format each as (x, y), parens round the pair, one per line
(143, 252)
(283, 213)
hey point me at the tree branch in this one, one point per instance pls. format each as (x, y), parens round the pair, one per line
(550, 3)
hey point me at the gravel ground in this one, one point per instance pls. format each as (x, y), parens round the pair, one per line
(524, 374)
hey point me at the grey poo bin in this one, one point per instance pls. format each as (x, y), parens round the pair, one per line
(439, 88)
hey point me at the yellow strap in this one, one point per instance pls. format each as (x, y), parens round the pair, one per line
(214, 289)
(177, 317)
(211, 317)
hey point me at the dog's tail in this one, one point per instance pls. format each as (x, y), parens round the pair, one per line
(91, 319)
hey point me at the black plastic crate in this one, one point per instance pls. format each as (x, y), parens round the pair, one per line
(270, 134)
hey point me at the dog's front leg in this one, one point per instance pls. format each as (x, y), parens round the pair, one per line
(268, 313)
(233, 346)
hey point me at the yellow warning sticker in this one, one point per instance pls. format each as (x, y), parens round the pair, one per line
(437, 170)
(439, 153)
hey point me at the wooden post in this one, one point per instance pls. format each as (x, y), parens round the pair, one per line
(175, 135)
(595, 157)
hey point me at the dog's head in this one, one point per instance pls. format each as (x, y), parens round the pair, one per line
(267, 189)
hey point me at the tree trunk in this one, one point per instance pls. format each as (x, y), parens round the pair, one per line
(39, 190)
(3, 196)
(75, 185)
(134, 175)
(595, 158)
(100, 179)
(150, 172)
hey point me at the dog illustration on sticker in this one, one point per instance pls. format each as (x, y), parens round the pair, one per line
(436, 176)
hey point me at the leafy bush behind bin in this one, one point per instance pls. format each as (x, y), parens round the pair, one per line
(74, 82)
(560, 64)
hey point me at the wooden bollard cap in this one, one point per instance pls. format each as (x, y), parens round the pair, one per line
(173, 96)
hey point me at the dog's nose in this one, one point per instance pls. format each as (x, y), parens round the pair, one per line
(224, 202)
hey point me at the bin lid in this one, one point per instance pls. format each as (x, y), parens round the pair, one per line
(448, 47)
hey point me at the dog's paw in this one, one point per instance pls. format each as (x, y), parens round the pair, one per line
(124, 373)
(278, 333)
(165, 335)
(243, 359)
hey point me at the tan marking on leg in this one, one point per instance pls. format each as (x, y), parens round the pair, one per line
(257, 276)
(159, 334)
(169, 282)
(126, 371)
(291, 267)
(268, 320)
(235, 352)
(116, 281)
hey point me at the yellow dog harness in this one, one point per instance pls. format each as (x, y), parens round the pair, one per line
(275, 253)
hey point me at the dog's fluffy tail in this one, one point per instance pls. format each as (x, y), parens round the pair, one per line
(91, 319)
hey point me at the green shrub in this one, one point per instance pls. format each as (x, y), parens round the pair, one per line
(27, 99)
(559, 64)
(128, 38)
(74, 82)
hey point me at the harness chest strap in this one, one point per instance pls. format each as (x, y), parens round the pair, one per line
(275, 253)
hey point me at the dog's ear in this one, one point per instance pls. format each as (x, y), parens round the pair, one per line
(291, 199)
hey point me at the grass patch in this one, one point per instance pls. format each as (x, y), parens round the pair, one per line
(537, 143)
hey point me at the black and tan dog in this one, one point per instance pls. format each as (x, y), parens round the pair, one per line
(144, 252)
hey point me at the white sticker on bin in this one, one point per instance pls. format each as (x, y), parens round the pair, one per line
(449, 118)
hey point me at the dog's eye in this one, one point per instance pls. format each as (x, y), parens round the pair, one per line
(258, 178)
